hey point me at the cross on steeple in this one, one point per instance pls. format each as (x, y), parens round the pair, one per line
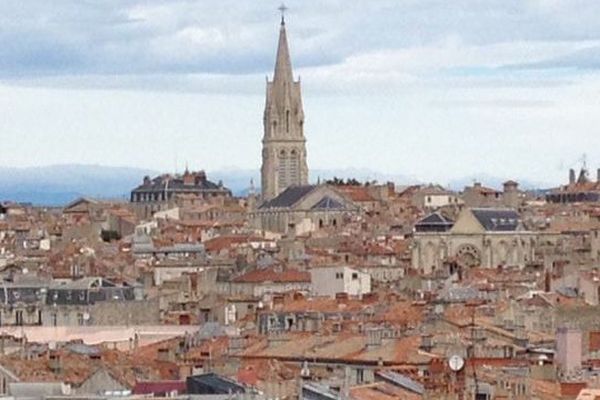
(283, 9)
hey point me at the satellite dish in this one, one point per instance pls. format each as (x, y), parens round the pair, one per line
(456, 363)
(86, 316)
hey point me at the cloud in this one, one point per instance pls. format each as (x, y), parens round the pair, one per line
(178, 37)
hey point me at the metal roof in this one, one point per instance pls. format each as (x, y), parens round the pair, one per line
(288, 197)
(327, 203)
(497, 219)
(402, 381)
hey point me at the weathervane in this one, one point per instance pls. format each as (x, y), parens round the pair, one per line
(283, 9)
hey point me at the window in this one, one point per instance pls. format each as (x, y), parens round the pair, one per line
(19, 318)
(80, 320)
(339, 275)
(287, 120)
(54, 319)
(354, 275)
(360, 376)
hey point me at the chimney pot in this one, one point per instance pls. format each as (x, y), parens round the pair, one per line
(571, 176)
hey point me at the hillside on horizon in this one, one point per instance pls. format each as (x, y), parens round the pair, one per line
(57, 185)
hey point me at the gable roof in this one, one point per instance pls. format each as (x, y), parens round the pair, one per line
(497, 219)
(327, 203)
(79, 201)
(288, 197)
(435, 218)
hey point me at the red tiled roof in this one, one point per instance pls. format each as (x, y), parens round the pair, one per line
(271, 275)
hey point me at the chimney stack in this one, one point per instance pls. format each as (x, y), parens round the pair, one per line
(55, 363)
(571, 176)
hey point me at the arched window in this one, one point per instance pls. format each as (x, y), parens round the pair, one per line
(287, 120)
(282, 170)
(294, 166)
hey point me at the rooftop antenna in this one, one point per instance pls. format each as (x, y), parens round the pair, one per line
(283, 9)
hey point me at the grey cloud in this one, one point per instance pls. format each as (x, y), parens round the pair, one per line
(125, 37)
(584, 59)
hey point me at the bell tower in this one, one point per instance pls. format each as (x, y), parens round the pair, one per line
(284, 144)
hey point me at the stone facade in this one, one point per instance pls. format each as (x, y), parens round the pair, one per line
(470, 243)
(303, 209)
(284, 145)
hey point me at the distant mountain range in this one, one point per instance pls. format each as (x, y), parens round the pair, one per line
(57, 185)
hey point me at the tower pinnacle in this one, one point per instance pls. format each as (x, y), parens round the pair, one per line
(283, 9)
(283, 63)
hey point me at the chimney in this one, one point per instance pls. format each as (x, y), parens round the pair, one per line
(291, 233)
(341, 298)
(571, 176)
(95, 359)
(146, 180)
(55, 363)
(188, 178)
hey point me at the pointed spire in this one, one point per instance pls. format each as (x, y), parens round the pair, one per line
(283, 63)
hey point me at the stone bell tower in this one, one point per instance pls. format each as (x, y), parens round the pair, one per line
(284, 144)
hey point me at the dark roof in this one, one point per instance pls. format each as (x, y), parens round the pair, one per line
(212, 384)
(289, 197)
(435, 219)
(327, 203)
(434, 222)
(497, 220)
(402, 381)
(176, 184)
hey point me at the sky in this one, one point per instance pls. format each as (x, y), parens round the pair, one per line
(431, 89)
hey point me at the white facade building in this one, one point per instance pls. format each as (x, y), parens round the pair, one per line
(328, 281)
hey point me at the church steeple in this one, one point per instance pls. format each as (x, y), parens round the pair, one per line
(284, 149)
(283, 63)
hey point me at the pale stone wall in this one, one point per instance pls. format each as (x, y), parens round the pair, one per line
(145, 312)
(493, 249)
(328, 281)
(99, 383)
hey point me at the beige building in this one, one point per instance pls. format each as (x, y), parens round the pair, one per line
(304, 209)
(329, 281)
(487, 237)
(284, 145)
(481, 196)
